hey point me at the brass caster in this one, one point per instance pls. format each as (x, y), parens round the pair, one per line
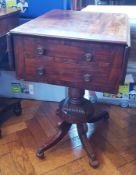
(94, 163)
(40, 155)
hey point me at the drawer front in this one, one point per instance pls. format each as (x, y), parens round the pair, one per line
(87, 77)
(62, 63)
(67, 51)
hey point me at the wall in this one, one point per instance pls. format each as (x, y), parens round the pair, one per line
(11, 87)
(37, 7)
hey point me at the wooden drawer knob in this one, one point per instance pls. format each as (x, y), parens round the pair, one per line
(40, 51)
(40, 71)
(88, 57)
(87, 77)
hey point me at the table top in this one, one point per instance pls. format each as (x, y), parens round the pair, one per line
(78, 25)
(4, 12)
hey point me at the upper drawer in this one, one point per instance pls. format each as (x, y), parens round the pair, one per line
(68, 51)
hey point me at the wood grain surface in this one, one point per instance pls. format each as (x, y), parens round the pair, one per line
(74, 49)
(102, 27)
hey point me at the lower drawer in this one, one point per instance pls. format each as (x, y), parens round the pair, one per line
(87, 77)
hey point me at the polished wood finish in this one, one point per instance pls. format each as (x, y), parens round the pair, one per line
(130, 11)
(9, 18)
(75, 109)
(114, 140)
(41, 59)
(79, 26)
(70, 48)
(102, 63)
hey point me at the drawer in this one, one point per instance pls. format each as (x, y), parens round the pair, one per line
(68, 51)
(67, 74)
(61, 63)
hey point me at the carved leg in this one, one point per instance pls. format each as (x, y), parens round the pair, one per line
(102, 115)
(63, 129)
(82, 131)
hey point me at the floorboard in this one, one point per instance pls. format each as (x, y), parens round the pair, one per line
(114, 142)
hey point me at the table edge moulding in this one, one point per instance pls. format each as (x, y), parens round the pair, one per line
(79, 50)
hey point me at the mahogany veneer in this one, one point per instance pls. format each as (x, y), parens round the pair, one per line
(75, 49)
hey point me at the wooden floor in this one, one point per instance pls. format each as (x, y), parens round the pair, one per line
(114, 142)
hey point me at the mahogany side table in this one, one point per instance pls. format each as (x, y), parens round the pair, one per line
(79, 50)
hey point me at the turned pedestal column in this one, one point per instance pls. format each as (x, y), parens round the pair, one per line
(75, 109)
